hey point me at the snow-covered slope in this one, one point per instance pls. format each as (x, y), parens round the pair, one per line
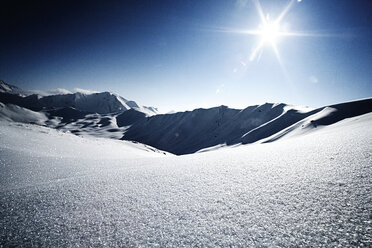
(311, 187)
(60, 190)
(111, 116)
(188, 132)
(101, 103)
(326, 116)
(15, 113)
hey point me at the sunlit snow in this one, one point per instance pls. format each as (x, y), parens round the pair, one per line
(270, 175)
(58, 189)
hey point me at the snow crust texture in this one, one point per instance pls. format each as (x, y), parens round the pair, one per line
(60, 190)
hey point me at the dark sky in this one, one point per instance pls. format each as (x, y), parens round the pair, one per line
(171, 55)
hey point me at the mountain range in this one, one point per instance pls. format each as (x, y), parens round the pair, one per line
(109, 115)
(91, 170)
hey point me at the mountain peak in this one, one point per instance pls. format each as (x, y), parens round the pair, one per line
(94, 102)
(8, 88)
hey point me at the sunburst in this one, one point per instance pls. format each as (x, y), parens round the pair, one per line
(269, 31)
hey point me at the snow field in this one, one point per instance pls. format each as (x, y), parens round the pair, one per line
(310, 190)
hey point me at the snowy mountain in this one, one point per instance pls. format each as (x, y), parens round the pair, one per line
(111, 116)
(102, 103)
(188, 132)
(10, 89)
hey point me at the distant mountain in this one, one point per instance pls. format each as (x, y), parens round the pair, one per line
(111, 116)
(10, 89)
(191, 131)
(102, 103)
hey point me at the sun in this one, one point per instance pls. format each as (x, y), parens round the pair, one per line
(269, 32)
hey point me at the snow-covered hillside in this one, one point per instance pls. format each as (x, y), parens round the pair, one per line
(111, 116)
(188, 132)
(58, 190)
(271, 175)
(108, 115)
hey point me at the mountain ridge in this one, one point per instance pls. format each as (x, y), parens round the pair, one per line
(108, 115)
(101, 102)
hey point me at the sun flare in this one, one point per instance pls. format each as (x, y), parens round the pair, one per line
(269, 32)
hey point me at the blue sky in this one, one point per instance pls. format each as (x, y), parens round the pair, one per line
(179, 55)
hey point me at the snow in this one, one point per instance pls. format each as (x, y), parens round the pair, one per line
(75, 121)
(190, 131)
(58, 189)
(204, 129)
(15, 113)
(58, 91)
(102, 103)
(87, 101)
(302, 127)
(10, 89)
(270, 175)
(109, 115)
(321, 118)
